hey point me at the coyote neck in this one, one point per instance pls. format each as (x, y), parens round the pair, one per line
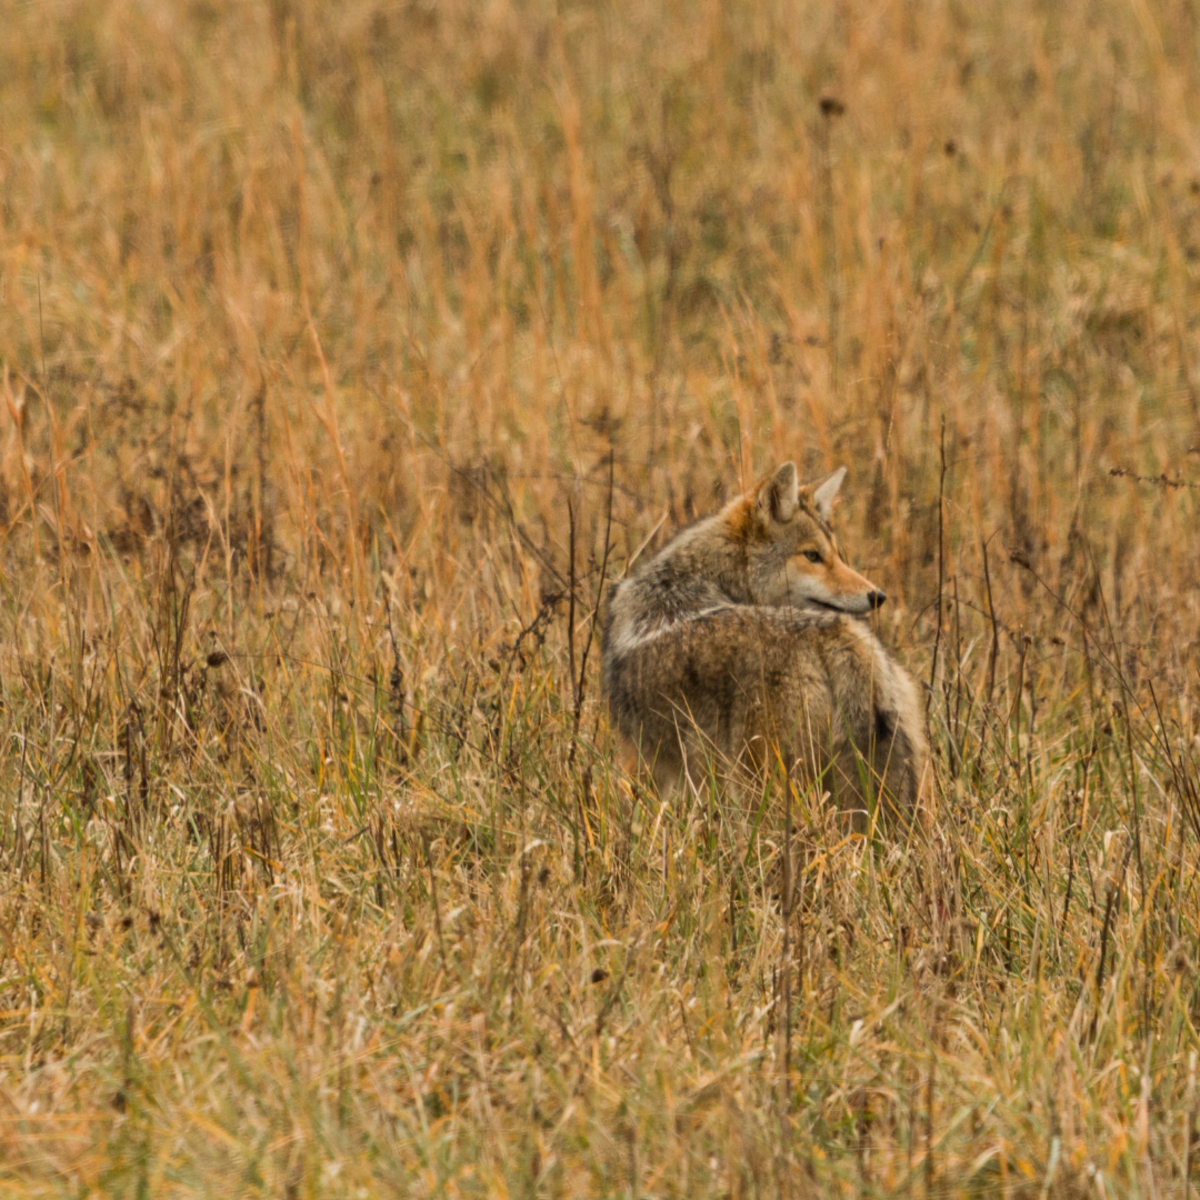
(699, 569)
(700, 572)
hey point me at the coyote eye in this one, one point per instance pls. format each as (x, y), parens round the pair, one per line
(813, 556)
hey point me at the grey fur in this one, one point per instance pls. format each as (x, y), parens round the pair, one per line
(706, 653)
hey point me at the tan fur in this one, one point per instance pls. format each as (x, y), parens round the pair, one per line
(742, 641)
(742, 522)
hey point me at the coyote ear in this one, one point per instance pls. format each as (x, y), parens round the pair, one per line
(824, 493)
(779, 496)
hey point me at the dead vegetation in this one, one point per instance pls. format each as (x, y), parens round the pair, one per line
(345, 352)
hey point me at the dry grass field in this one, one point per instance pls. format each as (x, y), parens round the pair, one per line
(346, 352)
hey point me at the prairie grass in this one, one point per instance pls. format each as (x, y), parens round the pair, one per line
(346, 350)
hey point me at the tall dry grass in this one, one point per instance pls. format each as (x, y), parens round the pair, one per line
(344, 349)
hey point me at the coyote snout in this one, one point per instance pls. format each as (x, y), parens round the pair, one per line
(740, 638)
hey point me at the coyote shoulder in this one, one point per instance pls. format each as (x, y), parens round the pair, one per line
(743, 638)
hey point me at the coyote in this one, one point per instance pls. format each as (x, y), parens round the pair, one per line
(742, 639)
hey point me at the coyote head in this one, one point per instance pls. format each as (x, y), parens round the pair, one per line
(792, 555)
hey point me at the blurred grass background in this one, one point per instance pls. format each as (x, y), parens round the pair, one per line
(346, 351)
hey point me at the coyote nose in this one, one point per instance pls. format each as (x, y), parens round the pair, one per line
(876, 598)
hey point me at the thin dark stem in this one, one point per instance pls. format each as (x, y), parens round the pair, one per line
(587, 646)
(937, 641)
(785, 965)
(571, 601)
(42, 342)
